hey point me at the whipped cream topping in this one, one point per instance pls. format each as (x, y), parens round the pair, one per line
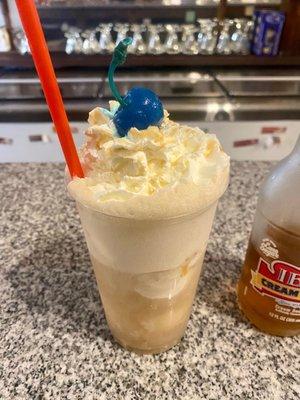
(158, 172)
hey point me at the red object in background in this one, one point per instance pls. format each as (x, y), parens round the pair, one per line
(246, 142)
(40, 53)
(273, 129)
(74, 129)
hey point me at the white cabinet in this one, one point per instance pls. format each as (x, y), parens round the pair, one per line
(37, 142)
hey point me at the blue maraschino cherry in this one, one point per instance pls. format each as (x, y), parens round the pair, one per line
(140, 107)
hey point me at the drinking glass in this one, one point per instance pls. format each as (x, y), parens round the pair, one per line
(74, 41)
(172, 44)
(189, 44)
(224, 41)
(147, 273)
(240, 38)
(90, 43)
(155, 46)
(247, 37)
(208, 36)
(138, 45)
(106, 43)
(122, 32)
(20, 41)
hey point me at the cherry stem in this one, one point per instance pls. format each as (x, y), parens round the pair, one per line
(119, 57)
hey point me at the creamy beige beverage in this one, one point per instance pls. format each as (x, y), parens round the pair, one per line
(147, 205)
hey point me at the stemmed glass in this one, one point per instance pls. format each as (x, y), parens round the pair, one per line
(172, 44)
(236, 36)
(208, 36)
(246, 36)
(189, 43)
(106, 43)
(155, 45)
(224, 42)
(20, 41)
(138, 45)
(90, 43)
(122, 31)
(74, 43)
(241, 37)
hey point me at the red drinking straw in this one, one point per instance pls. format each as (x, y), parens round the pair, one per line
(41, 57)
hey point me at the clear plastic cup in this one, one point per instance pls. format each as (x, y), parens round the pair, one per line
(147, 273)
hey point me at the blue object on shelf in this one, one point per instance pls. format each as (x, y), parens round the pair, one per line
(268, 27)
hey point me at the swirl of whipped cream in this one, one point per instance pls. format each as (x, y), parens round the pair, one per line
(159, 172)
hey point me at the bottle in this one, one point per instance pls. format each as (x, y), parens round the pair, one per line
(269, 287)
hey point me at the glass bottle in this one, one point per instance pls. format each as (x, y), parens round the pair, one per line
(269, 286)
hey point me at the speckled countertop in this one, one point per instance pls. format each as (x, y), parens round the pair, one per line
(55, 343)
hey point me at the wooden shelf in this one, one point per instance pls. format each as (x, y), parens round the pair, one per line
(110, 10)
(186, 4)
(62, 60)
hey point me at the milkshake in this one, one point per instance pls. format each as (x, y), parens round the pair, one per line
(147, 204)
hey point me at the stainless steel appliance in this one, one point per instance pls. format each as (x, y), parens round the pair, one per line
(169, 84)
(238, 106)
(260, 83)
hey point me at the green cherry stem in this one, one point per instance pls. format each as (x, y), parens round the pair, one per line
(119, 57)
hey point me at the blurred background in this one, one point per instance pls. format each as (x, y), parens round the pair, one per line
(231, 67)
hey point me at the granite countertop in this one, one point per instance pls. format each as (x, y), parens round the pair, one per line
(55, 343)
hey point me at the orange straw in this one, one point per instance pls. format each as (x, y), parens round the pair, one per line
(40, 53)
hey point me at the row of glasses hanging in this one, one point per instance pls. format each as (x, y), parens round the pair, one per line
(208, 36)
